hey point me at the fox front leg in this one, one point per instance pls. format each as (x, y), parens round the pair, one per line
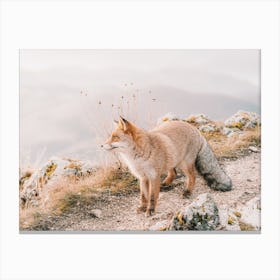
(144, 191)
(154, 187)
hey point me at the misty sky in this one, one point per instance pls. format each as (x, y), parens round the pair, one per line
(69, 98)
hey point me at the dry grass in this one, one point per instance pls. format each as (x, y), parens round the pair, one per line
(113, 181)
(68, 194)
(234, 146)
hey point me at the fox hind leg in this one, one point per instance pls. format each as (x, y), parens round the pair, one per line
(189, 170)
(171, 175)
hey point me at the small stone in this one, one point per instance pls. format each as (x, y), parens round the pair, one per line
(96, 213)
(253, 149)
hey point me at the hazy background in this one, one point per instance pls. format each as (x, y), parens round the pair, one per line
(69, 98)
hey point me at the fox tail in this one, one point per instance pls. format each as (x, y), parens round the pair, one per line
(207, 165)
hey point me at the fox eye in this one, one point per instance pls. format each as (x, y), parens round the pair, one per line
(115, 137)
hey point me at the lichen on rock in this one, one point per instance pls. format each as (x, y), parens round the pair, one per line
(243, 119)
(198, 119)
(48, 174)
(167, 117)
(202, 214)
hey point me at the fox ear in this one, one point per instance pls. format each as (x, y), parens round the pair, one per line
(123, 124)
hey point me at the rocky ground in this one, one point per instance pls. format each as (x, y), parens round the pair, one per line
(118, 213)
(236, 143)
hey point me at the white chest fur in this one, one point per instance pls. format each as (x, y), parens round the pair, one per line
(138, 167)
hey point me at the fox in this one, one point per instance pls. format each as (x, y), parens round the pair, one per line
(170, 145)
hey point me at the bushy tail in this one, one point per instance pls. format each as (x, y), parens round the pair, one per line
(208, 166)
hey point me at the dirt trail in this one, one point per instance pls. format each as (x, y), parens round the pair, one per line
(118, 213)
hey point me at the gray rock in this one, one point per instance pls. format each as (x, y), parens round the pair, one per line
(231, 131)
(253, 149)
(48, 175)
(250, 218)
(243, 119)
(96, 213)
(202, 214)
(199, 119)
(208, 128)
(228, 219)
(167, 117)
(244, 217)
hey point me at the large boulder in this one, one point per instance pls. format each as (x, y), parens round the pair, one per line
(243, 119)
(202, 214)
(167, 117)
(244, 217)
(48, 175)
(199, 119)
(203, 123)
(250, 218)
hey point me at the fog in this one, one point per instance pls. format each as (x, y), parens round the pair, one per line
(69, 98)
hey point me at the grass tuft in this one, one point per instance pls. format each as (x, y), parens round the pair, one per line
(69, 195)
(234, 146)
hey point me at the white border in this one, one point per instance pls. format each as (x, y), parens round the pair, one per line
(155, 24)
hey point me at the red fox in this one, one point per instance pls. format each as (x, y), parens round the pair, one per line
(149, 154)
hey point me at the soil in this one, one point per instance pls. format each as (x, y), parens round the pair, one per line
(118, 212)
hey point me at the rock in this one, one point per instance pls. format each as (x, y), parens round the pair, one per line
(231, 131)
(203, 123)
(160, 226)
(48, 175)
(242, 218)
(167, 117)
(253, 149)
(96, 213)
(243, 119)
(198, 119)
(24, 175)
(251, 215)
(208, 128)
(228, 220)
(201, 214)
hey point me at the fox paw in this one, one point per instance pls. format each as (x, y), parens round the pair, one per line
(166, 182)
(186, 194)
(141, 209)
(150, 212)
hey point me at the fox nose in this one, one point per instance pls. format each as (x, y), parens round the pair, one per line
(102, 146)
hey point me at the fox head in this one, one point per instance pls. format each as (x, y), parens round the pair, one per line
(123, 137)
